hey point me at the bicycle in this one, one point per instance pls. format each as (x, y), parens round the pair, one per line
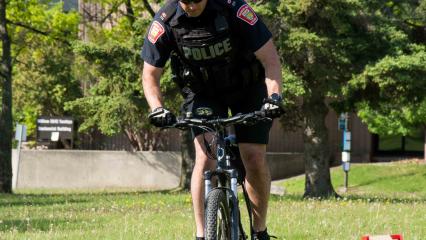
(222, 214)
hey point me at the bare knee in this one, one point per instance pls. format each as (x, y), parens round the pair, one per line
(254, 157)
(202, 160)
(202, 163)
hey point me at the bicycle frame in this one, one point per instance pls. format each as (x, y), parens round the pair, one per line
(227, 174)
(227, 179)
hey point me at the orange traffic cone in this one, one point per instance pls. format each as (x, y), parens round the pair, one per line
(383, 237)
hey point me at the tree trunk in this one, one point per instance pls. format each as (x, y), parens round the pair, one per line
(188, 158)
(134, 140)
(316, 154)
(130, 14)
(6, 126)
(148, 8)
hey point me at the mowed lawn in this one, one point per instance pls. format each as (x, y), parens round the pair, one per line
(382, 198)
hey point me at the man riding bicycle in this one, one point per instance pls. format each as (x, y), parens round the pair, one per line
(222, 57)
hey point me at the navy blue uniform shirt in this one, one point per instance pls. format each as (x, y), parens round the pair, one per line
(159, 41)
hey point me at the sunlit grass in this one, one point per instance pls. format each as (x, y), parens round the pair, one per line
(381, 199)
(404, 179)
(96, 216)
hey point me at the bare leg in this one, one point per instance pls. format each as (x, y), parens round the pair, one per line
(258, 181)
(202, 163)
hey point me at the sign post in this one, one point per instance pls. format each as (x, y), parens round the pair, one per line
(346, 146)
(20, 136)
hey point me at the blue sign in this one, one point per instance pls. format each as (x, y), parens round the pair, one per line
(343, 121)
(346, 141)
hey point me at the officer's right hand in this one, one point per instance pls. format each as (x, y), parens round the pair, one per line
(272, 106)
(161, 117)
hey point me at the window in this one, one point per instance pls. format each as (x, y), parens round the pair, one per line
(69, 5)
(411, 145)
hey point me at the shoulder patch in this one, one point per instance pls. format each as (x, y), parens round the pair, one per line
(247, 14)
(155, 32)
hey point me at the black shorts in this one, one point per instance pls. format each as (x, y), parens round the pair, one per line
(240, 101)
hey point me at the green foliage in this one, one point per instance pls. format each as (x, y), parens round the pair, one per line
(390, 95)
(402, 121)
(43, 60)
(360, 51)
(114, 102)
(44, 17)
(354, 55)
(324, 45)
(110, 66)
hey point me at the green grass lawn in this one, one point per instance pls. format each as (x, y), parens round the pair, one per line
(382, 198)
(388, 198)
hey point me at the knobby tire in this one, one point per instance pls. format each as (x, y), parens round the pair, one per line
(218, 222)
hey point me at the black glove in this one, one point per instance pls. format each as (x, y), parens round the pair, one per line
(272, 106)
(161, 117)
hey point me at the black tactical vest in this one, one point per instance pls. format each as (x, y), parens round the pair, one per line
(207, 56)
(204, 45)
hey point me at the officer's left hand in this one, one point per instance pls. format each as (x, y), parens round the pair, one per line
(272, 106)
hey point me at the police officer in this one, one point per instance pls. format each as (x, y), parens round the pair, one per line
(222, 57)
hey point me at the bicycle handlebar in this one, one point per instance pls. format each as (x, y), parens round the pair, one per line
(248, 118)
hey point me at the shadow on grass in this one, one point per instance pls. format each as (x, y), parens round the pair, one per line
(47, 199)
(353, 197)
(90, 192)
(386, 199)
(36, 200)
(24, 225)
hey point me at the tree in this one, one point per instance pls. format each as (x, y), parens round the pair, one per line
(6, 126)
(28, 24)
(323, 45)
(390, 95)
(44, 76)
(114, 104)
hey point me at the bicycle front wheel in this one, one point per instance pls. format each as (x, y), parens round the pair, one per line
(218, 222)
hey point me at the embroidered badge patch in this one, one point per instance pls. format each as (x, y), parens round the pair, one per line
(247, 14)
(155, 32)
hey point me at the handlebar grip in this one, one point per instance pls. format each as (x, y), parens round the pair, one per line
(186, 123)
(199, 121)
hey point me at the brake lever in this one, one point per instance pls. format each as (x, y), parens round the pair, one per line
(250, 119)
(261, 116)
